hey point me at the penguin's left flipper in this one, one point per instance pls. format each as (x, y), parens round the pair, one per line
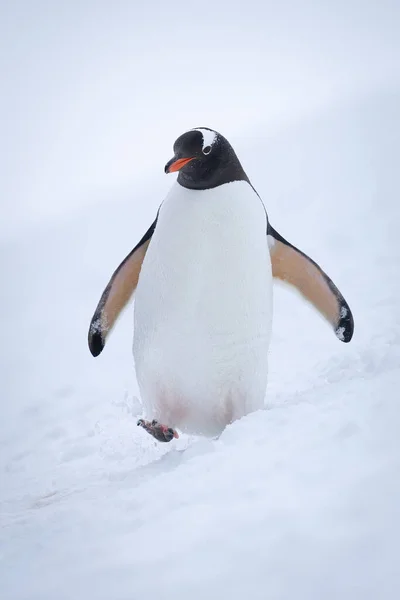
(117, 294)
(294, 267)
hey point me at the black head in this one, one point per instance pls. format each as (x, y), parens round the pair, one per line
(204, 159)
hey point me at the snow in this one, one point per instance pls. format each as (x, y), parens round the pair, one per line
(340, 333)
(301, 500)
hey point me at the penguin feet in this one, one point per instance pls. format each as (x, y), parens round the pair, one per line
(162, 433)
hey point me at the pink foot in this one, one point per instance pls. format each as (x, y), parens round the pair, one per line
(162, 433)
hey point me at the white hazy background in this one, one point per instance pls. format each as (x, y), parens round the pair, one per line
(95, 93)
(298, 501)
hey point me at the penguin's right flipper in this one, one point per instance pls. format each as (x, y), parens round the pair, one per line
(117, 294)
(296, 268)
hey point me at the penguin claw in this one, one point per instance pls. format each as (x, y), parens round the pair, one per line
(162, 433)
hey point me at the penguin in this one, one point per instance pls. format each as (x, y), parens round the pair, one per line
(203, 276)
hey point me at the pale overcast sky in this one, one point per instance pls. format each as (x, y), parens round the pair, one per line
(94, 93)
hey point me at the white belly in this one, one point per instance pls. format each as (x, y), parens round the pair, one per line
(203, 309)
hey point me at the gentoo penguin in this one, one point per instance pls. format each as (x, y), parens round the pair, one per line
(203, 274)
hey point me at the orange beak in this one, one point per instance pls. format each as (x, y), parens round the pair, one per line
(176, 165)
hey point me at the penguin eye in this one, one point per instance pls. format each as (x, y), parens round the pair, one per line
(207, 150)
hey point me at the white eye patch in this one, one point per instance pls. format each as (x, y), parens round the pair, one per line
(209, 138)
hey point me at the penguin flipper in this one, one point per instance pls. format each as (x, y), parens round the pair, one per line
(294, 267)
(117, 294)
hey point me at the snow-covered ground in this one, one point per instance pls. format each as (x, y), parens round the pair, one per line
(300, 501)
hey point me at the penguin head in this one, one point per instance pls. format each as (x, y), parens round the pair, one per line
(204, 159)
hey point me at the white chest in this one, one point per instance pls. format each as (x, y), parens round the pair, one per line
(203, 301)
